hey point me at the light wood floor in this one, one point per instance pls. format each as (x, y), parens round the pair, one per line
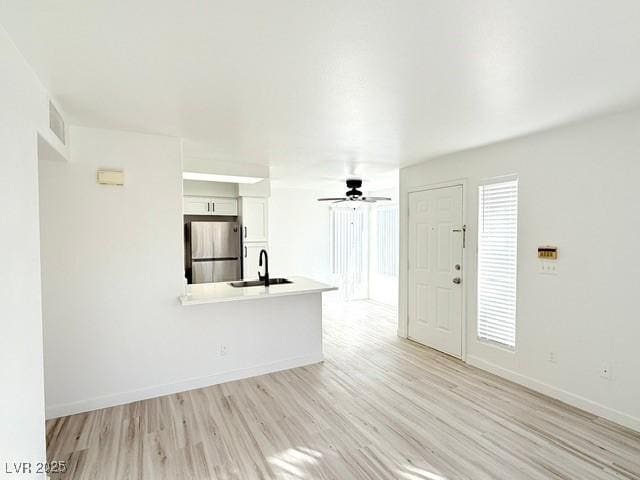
(379, 407)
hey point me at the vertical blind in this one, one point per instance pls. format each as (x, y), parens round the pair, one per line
(349, 250)
(348, 232)
(497, 262)
(387, 241)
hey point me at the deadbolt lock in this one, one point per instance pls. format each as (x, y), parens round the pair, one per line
(457, 266)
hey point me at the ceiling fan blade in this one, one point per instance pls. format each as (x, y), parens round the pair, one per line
(341, 200)
(375, 199)
(368, 200)
(330, 199)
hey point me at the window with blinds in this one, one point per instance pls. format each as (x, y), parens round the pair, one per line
(497, 262)
(348, 229)
(387, 241)
(349, 251)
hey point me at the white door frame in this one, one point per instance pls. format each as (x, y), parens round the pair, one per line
(466, 259)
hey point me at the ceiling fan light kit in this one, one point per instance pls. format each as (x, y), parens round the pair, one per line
(353, 194)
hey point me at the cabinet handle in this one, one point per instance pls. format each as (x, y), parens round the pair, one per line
(245, 232)
(208, 207)
(245, 252)
(213, 206)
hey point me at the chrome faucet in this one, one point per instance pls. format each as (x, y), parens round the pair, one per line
(264, 277)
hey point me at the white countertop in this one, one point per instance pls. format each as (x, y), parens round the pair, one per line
(223, 292)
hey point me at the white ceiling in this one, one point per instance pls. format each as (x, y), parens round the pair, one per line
(330, 88)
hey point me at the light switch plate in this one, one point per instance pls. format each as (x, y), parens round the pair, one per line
(548, 267)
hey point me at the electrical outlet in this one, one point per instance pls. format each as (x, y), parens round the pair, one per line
(605, 372)
(553, 357)
(223, 350)
(548, 267)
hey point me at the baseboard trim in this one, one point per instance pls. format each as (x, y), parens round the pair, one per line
(64, 409)
(572, 399)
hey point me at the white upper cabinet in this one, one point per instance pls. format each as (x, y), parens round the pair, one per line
(210, 206)
(196, 206)
(254, 213)
(251, 258)
(224, 206)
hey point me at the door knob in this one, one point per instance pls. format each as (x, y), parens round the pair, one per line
(457, 280)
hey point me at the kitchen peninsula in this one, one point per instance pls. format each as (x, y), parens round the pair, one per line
(251, 330)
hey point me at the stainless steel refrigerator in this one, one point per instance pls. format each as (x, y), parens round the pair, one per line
(215, 251)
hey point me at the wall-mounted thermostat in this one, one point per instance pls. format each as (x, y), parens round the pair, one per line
(110, 177)
(548, 253)
(548, 257)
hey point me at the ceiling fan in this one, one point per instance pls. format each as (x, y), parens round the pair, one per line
(353, 194)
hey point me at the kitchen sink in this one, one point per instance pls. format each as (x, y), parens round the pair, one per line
(259, 283)
(278, 281)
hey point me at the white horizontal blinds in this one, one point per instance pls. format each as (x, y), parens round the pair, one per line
(497, 262)
(387, 241)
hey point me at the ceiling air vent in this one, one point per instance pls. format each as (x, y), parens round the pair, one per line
(56, 122)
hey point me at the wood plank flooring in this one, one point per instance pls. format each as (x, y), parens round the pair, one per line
(379, 407)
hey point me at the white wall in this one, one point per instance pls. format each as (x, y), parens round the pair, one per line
(578, 190)
(22, 116)
(112, 266)
(205, 158)
(383, 289)
(299, 233)
(258, 189)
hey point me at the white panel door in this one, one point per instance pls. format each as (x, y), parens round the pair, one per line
(435, 269)
(250, 259)
(254, 219)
